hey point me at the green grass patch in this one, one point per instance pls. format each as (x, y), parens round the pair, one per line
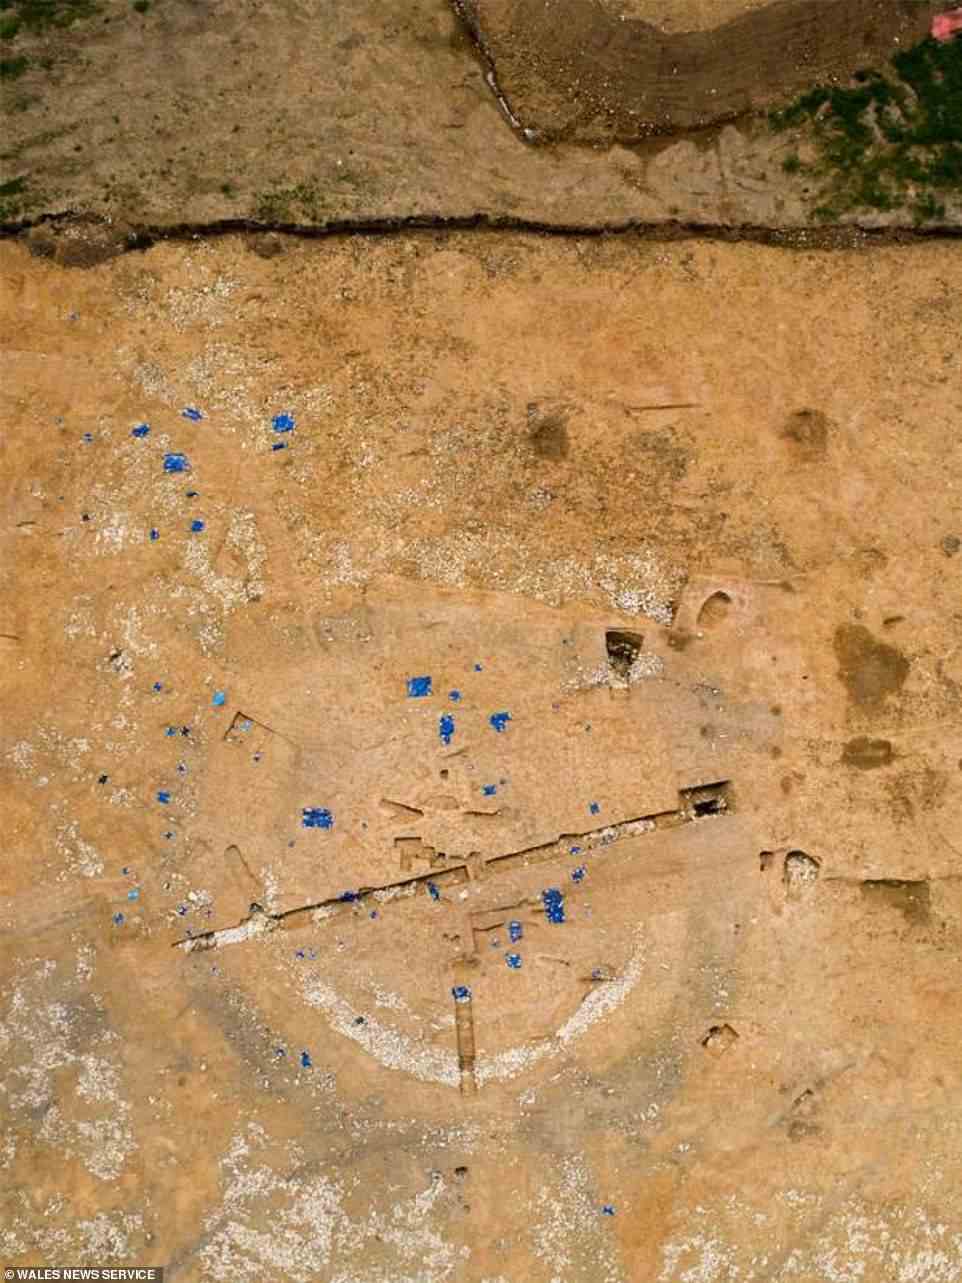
(13, 68)
(12, 204)
(888, 141)
(42, 15)
(298, 204)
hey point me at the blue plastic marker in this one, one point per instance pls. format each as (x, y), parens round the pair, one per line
(317, 817)
(554, 904)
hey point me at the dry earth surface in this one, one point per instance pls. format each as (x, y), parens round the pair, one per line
(589, 73)
(293, 112)
(482, 709)
(684, 15)
(624, 950)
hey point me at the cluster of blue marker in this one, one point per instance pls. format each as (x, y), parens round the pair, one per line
(133, 894)
(554, 904)
(419, 687)
(175, 461)
(281, 423)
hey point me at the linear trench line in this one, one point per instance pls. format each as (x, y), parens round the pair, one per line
(806, 237)
(699, 802)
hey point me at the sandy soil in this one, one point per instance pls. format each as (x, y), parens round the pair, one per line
(684, 15)
(652, 518)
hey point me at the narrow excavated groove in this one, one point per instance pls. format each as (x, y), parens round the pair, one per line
(704, 801)
(489, 71)
(402, 808)
(843, 236)
(240, 718)
(464, 1027)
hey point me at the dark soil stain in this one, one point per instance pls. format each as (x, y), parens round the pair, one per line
(913, 899)
(265, 245)
(658, 454)
(803, 1121)
(867, 754)
(909, 792)
(548, 430)
(87, 248)
(868, 561)
(807, 431)
(870, 669)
